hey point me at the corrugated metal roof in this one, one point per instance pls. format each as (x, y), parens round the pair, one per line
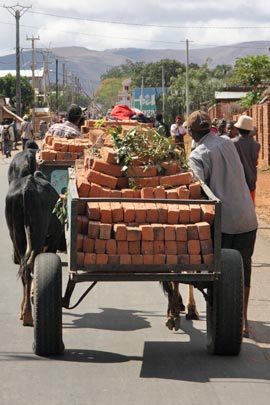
(229, 95)
(24, 73)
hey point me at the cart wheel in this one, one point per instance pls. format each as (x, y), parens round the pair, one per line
(47, 305)
(225, 306)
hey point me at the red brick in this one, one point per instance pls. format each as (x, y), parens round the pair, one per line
(169, 232)
(93, 211)
(184, 214)
(93, 229)
(95, 190)
(208, 259)
(147, 232)
(192, 231)
(159, 192)
(170, 247)
(105, 231)
(88, 244)
(127, 193)
(125, 259)
(162, 213)
(113, 259)
(208, 213)
(141, 171)
(194, 247)
(171, 259)
(85, 225)
(102, 179)
(89, 258)
(122, 247)
(173, 214)
(158, 231)
(101, 166)
(151, 213)
(195, 259)
(140, 213)
(206, 246)
(120, 231)
(122, 182)
(137, 259)
(105, 212)
(183, 259)
(180, 232)
(145, 182)
(147, 247)
(148, 259)
(110, 247)
(133, 233)
(204, 230)
(147, 192)
(117, 212)
(83, 187)
(195, 213)
(129, 212)
(183, 193)
(80, 242)
(195, 190)
(134, 247)
(159, 259)
(176, 179)
(102, 258)
(172, 194)
(100, 246)
(170, 168)
(105, 192)
(159, 246)
(108, 155)
(181, 247)
(81, 207)
(116, 193)
(80, 258)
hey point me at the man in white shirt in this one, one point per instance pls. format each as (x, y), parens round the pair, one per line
(178, 131)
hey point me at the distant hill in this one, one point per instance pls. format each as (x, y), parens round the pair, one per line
(88, 65)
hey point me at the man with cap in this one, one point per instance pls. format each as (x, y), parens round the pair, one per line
(178, 131)
(248, 150)
(70, 128)
(216, 162)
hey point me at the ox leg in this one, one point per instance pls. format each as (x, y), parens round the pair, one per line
(191, 306)
(173, 312)
(27, 309)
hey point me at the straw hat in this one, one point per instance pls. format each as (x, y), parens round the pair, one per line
(244, 122)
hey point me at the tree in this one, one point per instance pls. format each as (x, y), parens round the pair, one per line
(8, 89)
(107, 93)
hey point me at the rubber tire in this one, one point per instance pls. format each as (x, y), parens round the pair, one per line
(48, 305)
(225, 306)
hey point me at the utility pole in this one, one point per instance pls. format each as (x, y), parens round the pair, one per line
(56, 85)
(17, 12)
(163, 95)
(187, 79)
(141, 98)
(33, 39)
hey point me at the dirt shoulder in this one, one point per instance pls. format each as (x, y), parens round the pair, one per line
(262, 199)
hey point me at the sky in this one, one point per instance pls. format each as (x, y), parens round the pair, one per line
(148, 24)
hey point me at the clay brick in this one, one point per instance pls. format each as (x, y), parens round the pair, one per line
(137, 259)
(80, 242)
(183, 193)
(178, 179)
(183, 259)
(208, 259)
(170, 247)
(122, 182)
(159, 259)
(134, 247)
(141, 171)
(159, 246)
(45, 155)
(204, 230)
(105, 192)
(180, 232)
(93, 211)
(117, 212)
(137, 193)
(208, 213)
(120, 231)
(127, 193)
(169, 232)
(194, 247)
(101, 166)
(116, 193)
(88, 244)
(83, 187)
(147, 232)
(195, 190)
(93, 229)
(184, 214)
(108, 155)
(122, 247)
(60, 155)
(147, 247)
(147, 192)
(145, 182)
(101, 179)
(105, 231)
(206, 246)
(125, 259)
(172, 194)
(170, 168)
(80, 259)
(159, 192)
(151, 213)
(181, 247)
(129, 212)
(192, 231)
(81, 207)
(171, 259)
(173, 213)
(140, 213)
(195, 259)
(110, 247)
(195, 213)
(113, 259)
(162, 213)
(105, 212)
(95, 190)
(133, 233)
(158, 231)
(148, 259)
(89, 258)
(102, 258)
(100, 246)
(85, 225)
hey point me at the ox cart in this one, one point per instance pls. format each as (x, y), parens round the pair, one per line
(221, 282)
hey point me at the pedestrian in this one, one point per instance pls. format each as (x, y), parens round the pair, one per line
(221, 127)
(16, 133)
(231, 130)
(26, 130)
(42, 129)
(248, 150)
(6, 140)
(70, 128)
(215, 161)
(161, 126)
(178, 131)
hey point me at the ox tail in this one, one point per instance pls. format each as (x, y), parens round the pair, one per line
(167, 287)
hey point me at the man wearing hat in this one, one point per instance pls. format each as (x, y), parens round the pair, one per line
(215, 161)
(70, 128)
(178, 131)
(248, 150)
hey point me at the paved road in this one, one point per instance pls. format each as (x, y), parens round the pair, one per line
(118, 351)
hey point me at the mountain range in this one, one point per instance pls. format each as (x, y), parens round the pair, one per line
(88, 65)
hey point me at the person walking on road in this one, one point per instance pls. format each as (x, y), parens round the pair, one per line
(26, 130)
(178, 131)
(215, 161)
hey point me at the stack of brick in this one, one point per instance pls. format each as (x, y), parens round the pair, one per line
(141, 232)
(56, 148)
